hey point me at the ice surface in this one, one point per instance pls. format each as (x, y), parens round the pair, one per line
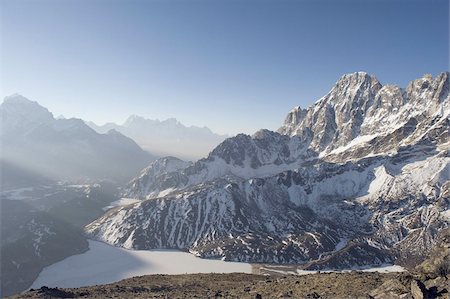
(103, 264)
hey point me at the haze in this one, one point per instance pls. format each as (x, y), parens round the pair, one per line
(233, 66)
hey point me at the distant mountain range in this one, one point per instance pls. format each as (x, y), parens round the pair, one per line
(361, 177)
(34, 142)
(166, 138)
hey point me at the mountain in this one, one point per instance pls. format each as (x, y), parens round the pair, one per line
(362, 177)
(145, 184)
(359, 111)
(166, 138)
(34, 141)
(31, 240)
(42, 225)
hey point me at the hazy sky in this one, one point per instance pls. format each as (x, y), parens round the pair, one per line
(234, 66)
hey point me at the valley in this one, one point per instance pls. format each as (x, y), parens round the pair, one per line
(225, 149)
(348, 184)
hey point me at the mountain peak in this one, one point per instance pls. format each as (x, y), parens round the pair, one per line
(358, 78)
(16, 97)
(171, 121)
(113, 132)
(264, 133)
(439, 77)
(358, 105)
(294, 117)
(132, 119)
(18, 111)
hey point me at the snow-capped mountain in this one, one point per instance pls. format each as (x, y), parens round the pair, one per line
(359, 111)
(362, 177)
(33, 140)
(262, 154)
(166, 138)
(145, 184)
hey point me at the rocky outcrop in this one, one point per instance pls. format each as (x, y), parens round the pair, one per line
(437, 264)
(250, 286)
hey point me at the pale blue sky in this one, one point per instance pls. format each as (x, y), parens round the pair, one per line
(234, 66)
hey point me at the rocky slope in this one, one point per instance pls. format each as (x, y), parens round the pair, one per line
(31, 240)
(437, 263)
(146, 183)
(42, 225)
(361, 177)
(362, 285)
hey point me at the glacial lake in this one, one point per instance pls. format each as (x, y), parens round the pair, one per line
(104, 263)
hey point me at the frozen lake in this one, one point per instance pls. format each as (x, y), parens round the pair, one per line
(103, 264)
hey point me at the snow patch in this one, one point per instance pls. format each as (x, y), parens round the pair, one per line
(357, 141)
(380, 269)
(121, 202)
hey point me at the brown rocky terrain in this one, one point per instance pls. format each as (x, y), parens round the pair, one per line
(321, 285)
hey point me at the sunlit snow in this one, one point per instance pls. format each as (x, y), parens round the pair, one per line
(121, 202)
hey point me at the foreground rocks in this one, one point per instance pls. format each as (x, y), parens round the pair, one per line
(236, 285)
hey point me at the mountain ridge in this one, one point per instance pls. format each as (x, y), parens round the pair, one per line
(322, 193)
(167, 137)
(32, 139)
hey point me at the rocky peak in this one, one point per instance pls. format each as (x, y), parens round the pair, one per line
(352, 86)
(264, 133)
(17, 103)
(151, 177)
(443, 85)
(295, 116)
(74, 127)
(133, 120)
(164, 165)
(359, 106)
(422, 90)
(171, 122)
(352, 93)
(337, 117)
(264, 147)
(116, 136)
(19, 112)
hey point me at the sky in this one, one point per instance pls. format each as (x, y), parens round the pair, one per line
(233, 66)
